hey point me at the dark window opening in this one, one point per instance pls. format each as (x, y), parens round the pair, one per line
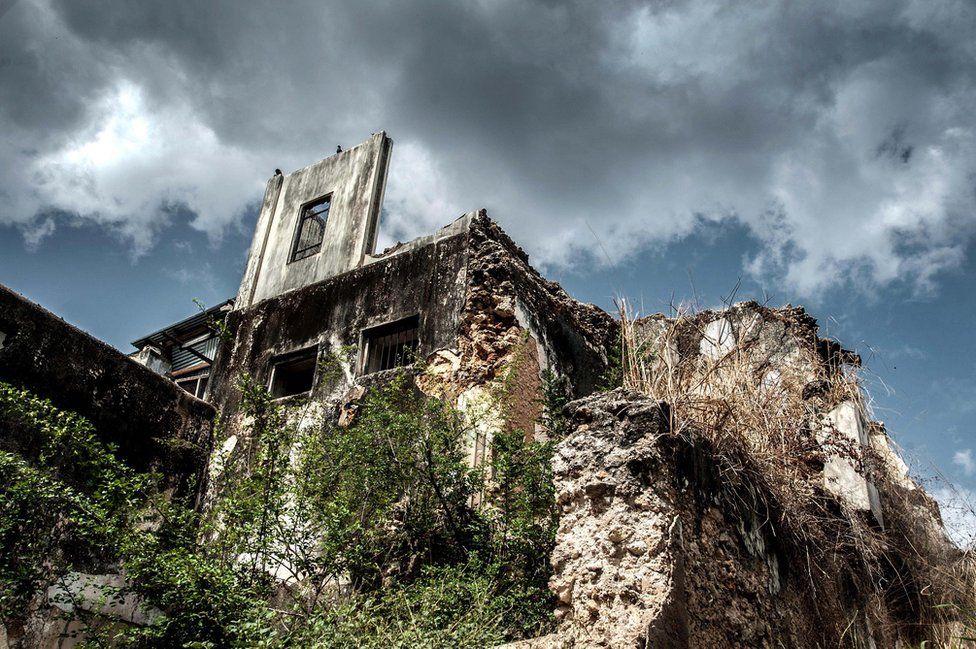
(391, 345)
(311, 228)
(196, 385)
(293, 374)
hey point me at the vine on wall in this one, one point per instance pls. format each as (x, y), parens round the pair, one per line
(322, 536)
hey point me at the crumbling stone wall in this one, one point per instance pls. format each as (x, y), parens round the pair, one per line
(155, 424)
(617, 566)
(505, 295)
(657, 548)
(780, 350)
(515, 328)
(490, 325)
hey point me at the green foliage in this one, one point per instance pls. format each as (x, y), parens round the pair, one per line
(330, 365)
(64, 498)
(383, 506)
(524, 528)
(447, 606)
(390, 489)
(252, 516)
(206, 600)
(218, 326)
(555, 396)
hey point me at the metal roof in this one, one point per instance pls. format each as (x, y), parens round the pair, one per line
(189, 324)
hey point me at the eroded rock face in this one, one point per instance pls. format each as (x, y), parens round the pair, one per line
(648, 554)
(617, 576)
(659, 546)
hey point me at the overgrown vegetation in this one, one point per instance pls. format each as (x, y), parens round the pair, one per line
(761, 416)
(322, 536)
(64, 496)
(217, 325)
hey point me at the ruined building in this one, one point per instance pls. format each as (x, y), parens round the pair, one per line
(184, 351)
(668, 536)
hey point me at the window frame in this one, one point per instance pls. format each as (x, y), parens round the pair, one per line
(370, 335)
(305, 353)
(200, 380)
(297, 236)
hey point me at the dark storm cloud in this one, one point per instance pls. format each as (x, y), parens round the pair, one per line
(634, 121)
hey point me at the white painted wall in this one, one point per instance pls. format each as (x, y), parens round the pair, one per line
(356, 180)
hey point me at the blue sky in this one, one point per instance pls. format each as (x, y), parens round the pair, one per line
(822, 153)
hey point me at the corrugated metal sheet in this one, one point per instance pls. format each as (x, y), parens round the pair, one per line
(183, 326)
(183, 358)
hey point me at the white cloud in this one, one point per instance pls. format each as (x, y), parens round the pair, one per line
(965, 460)
(958, 508)
(133, 164)
(840, 134)
(418, 196)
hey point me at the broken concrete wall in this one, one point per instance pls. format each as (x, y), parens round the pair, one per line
(154, 423)
(355, 181)
(427, 281)
(505, 293)
(483, 312)
(779, 350)
(657, 547)
(516, 329)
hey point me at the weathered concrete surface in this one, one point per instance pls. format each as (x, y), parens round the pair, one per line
(506, 297)
(152, 358)
(426, 281)
(656, 547)
(155, 424)
(485, 314)
(108, 595)
(356, 179)
(841, 476)
(779, 349)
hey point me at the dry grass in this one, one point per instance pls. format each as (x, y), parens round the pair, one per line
(759, 396)
(741, 399)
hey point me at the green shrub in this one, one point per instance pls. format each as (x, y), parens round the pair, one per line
(447, 606)
(375, 521)
(63, 500)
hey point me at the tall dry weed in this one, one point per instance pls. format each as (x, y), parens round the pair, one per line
(761, 404)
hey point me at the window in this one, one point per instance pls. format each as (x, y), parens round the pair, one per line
(293, 373)
(196, 385)
(390, 345)
(311, 228)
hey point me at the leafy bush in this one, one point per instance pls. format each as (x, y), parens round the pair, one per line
(391, 491)
(372, 527)
(524, 528)
(447, 606)
(63, 499)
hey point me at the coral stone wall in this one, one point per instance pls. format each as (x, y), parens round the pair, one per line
(659, 545)
(155, 424)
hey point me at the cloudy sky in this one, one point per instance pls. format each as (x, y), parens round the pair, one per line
(816, 153)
